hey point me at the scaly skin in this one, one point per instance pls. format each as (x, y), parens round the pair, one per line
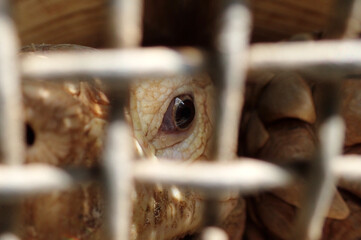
(68, 121)
(166, 213)
(280, 125)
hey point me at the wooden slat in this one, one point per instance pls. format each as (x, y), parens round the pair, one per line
(84, 21)
(276, 20)
(60, 21)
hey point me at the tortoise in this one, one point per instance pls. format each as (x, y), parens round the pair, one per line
(83, 22)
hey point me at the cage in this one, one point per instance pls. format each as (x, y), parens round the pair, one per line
(279, 47)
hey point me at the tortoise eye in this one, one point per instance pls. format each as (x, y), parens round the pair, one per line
(179, 115)
(183, 111)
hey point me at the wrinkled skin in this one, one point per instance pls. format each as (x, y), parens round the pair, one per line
(280, 125)
(164, 213)
(66, 126)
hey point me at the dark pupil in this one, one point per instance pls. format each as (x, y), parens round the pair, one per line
(184, 114)
(30, 135)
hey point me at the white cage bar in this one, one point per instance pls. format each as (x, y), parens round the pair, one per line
(11, 128)
(125, 22)
(336, 58)
(125, 63)
(233, 39)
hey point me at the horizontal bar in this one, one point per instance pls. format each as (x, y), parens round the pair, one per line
(348, 167)
(31, 179)
(8, 236)
(127, 63)
(331, 59)
(246, 175)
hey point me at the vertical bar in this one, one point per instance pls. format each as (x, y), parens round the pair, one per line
(118, 169)
(233, 45)
(11, 121)
(321, 182)
(231, 54)
(9, 216)
(353, 26)
(339, 24)
(126, 26)
(126, 22)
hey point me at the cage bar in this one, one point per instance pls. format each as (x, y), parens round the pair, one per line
(321, 183)
(126, 22)
(353, 27)
(118, 167)
(213, 233)
(124, 63)
(245, 175)
(255, 175)
(333, 59)
(11, 126)
(348, 167)
(18, 181)
(233, 45)
(339, 25)
(324, 59)
(126, 32)
(8, 236)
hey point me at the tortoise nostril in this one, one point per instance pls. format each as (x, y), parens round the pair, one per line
(30, 135)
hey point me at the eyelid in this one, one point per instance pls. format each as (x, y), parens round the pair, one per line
(151, 129)
(168, 123)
